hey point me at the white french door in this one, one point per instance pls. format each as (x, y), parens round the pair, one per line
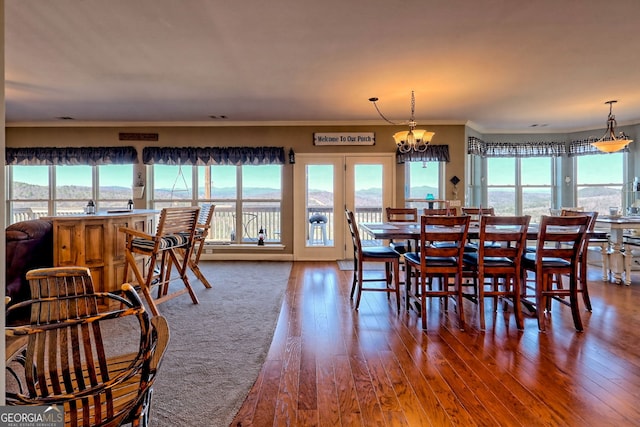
(323, 186)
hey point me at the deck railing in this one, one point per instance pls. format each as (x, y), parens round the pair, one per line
(224, 221)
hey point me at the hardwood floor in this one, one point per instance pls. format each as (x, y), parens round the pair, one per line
(332, 366)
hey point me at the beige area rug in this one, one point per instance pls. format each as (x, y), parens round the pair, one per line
(217, 347)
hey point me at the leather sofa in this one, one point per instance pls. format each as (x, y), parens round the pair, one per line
(29, 245)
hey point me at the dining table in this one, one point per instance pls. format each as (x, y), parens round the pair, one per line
(620, 227)
(411, 231)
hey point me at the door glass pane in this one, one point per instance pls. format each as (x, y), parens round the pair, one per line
(367, 204)
(319, 205)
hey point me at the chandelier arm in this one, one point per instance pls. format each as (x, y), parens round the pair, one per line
(383, 116)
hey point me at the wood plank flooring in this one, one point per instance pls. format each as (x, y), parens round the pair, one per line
(330, 365)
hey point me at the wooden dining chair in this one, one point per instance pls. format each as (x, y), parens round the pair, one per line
(441, 262)
(401, 215)
(384, 254)
(500, 262)
(71, 362)
(436, 211)
(557, 252)
(584, 253)
(476, 212)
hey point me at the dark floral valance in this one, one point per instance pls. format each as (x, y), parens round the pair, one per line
(434, 153)
(91, 156)
(213, 155)
(516, 149)
(582, 147)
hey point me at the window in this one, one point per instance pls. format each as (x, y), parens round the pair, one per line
(599, 181)
(422, 181)
(247, 198)
(36, 191)
(520, 186)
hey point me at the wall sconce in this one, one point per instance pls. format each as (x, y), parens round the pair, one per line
(292, 156)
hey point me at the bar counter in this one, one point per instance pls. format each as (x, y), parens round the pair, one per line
(93, 241)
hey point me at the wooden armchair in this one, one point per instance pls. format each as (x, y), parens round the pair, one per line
(72, 361)
(171, 245)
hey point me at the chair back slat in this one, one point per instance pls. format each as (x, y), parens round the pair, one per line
(436, 211)
(443, 229)
(402, 214)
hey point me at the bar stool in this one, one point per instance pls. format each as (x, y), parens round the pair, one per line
(318, 222)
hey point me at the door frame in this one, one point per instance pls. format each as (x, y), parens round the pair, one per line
(343, 198)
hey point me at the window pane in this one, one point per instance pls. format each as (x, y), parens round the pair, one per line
(221, 182)
(501, 171)
(503, 200)
(223, 224)
(262, 182)
(599, 182)
(600, 169)
(30, 182)
(115, 185)
(172, 182)
(536, 171)
(74, 183)
(422, 179)
(536, 202)
(600, 198)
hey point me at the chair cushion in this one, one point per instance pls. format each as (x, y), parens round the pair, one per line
(468, 247)
(379, 252)
(318, 218)
(399, 247)
(472, 259)
(529, 261)
(167, 242)
(414, 257)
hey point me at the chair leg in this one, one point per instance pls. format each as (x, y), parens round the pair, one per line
(359, 283)
(584, 289)
(481, 299)
(355, 277)
(573, 297)
(541, 302)
(396, 282)
(517, 307)
(460, 298)
(423, 300)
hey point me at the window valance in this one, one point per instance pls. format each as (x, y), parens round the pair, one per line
(90, 156)
(515, 149)
(583, 147)
(213, 155)
(434, 153)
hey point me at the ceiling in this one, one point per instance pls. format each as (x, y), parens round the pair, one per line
(499, 66)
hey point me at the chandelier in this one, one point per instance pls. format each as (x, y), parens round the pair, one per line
(413, 139)
(609, 143)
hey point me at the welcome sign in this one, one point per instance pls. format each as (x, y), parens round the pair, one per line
(344, 138)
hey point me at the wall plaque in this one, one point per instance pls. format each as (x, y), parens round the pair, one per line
(124, 136)
(344, 138)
